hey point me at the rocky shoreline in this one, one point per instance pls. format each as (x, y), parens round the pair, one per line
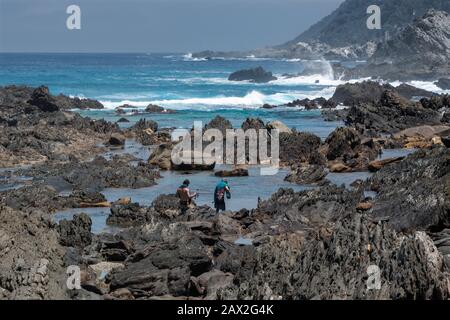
(311, 244)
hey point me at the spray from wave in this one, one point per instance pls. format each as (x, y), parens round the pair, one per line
(253, 99)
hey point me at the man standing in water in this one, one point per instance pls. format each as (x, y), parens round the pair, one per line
(222, 189)
(185, 196)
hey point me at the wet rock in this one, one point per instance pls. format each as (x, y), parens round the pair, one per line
(257, 75)
(313, 104)
(151, 108)
(116, 140)
(76, 232)
(123, 120)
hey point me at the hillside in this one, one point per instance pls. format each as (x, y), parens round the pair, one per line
(346, 26)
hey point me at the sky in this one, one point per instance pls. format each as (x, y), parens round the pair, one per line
(156, 25)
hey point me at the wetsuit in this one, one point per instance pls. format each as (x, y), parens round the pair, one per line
(221, 190)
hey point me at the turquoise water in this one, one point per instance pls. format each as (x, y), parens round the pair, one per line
(197, 89)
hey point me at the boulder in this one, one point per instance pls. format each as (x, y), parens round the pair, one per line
(257, 75)
(253, 123)
(342, 141)
(220, 123)
(280, 126)
(116, 139)
(300, 147)
(76, 232)
(307, 174)
(42, 99)
(151, 108)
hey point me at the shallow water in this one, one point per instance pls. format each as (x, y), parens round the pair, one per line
(393, 153)
(245, 192)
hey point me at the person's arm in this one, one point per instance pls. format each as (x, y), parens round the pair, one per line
(228, 191)
(191, 195)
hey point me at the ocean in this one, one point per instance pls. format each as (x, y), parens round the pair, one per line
(198, 90)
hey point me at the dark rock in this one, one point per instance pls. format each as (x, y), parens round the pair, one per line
(355, 93)
(121, 120)
(42, 99)
(414, 193)
(313, 104)
(116, 140)
(77, 232)
(300, 147)
(220, 123)
(253, 123)
(164, 269)
(436, 103)
(257, 75)
(409, 92)
(151, 108)
(144, 124)
(307, 174)
(341, 142)
(336, 265)
(128, 215)
(391, 114)
(239, 172)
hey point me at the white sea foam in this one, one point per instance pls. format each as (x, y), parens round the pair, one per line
(426, 85)
(253, 99)
(189, 57)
